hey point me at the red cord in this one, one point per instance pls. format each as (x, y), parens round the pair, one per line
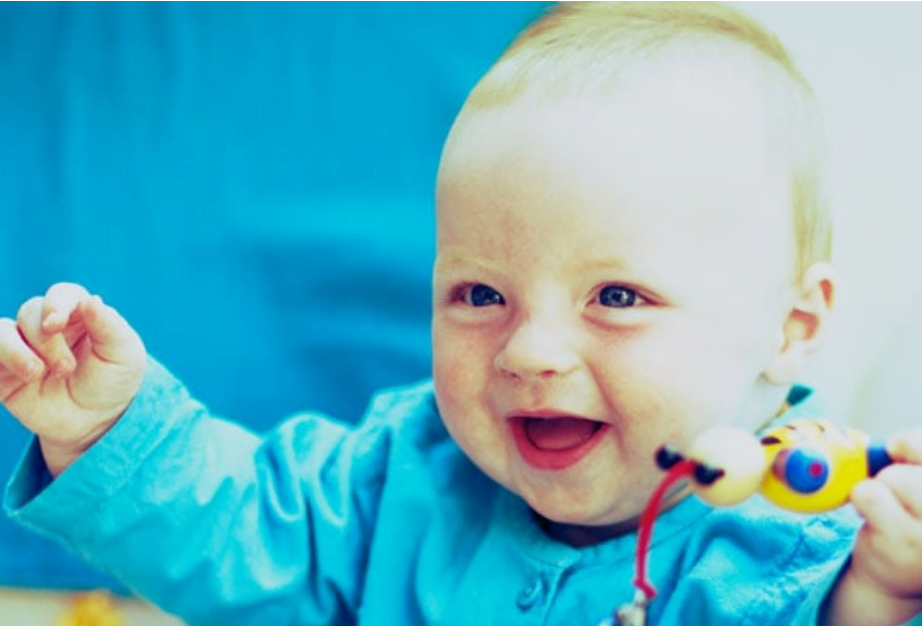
(678, 471)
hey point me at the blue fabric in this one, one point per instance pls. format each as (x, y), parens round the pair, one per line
(389, 523)
(250, 184)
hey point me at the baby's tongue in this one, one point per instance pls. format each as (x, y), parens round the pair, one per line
(559, 433)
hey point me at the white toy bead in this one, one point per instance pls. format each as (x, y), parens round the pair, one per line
(735, 452)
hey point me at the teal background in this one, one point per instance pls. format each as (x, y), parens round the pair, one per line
(250, 184)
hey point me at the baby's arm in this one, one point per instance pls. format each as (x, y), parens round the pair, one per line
(883, 583)
(69, 366)
(203, 517)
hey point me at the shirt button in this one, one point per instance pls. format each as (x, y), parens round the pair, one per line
(530, 595)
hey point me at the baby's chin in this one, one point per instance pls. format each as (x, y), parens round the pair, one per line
(585, 530)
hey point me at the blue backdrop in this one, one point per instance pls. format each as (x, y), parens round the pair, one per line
(250, 184)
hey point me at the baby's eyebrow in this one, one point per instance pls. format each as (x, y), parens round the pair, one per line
(604, 263)
(458, 261)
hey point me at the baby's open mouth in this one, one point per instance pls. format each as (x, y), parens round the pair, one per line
(555, 434)
(555, 443)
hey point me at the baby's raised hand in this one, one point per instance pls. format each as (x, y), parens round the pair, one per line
(883, 583)
(69, 367)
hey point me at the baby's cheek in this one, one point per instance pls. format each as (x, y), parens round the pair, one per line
(451, 381)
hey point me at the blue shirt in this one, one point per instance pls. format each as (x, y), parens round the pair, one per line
(389, 524)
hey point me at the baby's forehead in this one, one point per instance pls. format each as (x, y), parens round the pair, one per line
(636, 145)
(703, 103)
(687, 141)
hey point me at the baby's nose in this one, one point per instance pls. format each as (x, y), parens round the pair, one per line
(537, 351)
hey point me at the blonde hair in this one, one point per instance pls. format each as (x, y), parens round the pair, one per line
(585, 46)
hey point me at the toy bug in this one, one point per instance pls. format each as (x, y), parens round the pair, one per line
(804, 466)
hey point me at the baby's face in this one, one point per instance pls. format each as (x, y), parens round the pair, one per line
(611, 275)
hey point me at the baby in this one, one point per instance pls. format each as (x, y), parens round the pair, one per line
(632, 247)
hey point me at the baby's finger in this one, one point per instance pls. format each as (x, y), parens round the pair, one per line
(113, 340)
(51, 348)
(889, 545)
(905, 483)
(16, 356)
(60, 302)
(906, 446)
(877, 504)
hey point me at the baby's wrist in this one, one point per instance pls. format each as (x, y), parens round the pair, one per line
(59, 456)
(57, 459)
(858, 602)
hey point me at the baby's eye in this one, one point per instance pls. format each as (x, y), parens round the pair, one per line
(618, 297)
(483, 295)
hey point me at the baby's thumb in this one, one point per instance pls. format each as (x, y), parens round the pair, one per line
(875, 502)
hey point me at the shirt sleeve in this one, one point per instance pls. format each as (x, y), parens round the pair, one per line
(192, 511)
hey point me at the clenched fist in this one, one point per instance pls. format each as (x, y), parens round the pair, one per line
(69, 367)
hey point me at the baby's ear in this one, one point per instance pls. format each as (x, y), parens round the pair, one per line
(804, 326)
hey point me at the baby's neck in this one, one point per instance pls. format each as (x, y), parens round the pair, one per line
(583, 536)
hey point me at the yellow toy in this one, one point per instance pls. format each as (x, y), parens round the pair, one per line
(804, 466)
(92, 609)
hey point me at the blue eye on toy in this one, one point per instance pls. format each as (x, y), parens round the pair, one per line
(803, 469)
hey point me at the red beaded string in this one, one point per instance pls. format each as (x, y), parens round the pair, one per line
(680, 470)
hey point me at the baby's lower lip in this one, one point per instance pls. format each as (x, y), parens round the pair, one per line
(556, 445)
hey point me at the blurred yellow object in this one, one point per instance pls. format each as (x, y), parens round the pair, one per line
(92, 609)
(814, 465)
